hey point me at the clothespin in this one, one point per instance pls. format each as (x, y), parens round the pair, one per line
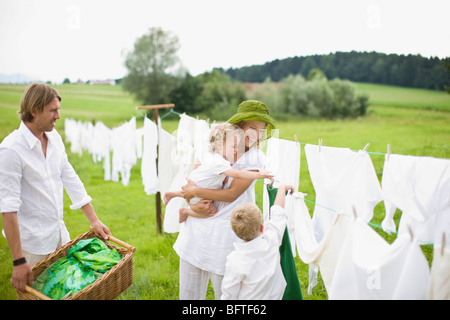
(410, 232)
(443, 243)
(355, 215)
(366, 147)
(295, 137)
(320, 143)
(388, 151)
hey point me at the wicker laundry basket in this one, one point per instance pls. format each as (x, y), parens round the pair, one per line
(118, 279)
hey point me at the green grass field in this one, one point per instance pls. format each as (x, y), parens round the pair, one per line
(412, 121)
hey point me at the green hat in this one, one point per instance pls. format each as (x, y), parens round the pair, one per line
(253, 110)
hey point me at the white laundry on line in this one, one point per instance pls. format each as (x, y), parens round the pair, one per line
(149, 155)
(283, 160)
(343, 180)
(420, 187)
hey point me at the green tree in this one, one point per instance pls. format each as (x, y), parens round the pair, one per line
(220, 96)
(447, 67)
(185, 96)
(154, 54)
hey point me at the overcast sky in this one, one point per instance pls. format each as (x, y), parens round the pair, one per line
(88, 39)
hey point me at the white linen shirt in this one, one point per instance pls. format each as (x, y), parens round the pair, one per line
(32, 185)
(253, 270)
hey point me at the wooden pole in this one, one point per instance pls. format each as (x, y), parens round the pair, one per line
(155, 116)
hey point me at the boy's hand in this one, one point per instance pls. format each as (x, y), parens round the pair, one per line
(287, 188)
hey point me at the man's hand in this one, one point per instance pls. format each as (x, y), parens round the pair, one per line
(20, 276)
(101, 230)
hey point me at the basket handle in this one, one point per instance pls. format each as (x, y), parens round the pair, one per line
(36, 293)
(117, 241)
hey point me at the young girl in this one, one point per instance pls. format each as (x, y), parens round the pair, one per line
(215, 165)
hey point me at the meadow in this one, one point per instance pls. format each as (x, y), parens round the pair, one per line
(412, 121)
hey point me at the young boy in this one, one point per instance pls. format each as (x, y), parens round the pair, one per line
(253, 269)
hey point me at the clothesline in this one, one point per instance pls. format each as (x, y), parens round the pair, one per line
(375, 225)
(369, 152)
(335, 211)
(171, 111)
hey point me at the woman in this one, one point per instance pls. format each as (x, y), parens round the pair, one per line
(204, 243)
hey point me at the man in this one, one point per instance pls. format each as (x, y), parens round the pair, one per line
(34, 170)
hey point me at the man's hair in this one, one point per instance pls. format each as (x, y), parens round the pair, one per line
(246, 221)
(36, 97)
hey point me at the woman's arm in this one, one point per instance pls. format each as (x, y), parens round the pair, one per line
(237, 187)
(251, 175)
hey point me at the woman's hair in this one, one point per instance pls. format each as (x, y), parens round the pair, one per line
(220, 133)
(36, 97)
(246, 221)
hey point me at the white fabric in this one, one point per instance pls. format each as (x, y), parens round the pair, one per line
(72, 130)
(283, 160)
(253, 269)
(209, 174)
(124, 156)
(101, 146)
(201, 136)
(419, 186)
(32, 185)
(194, 282)
(183, 163)
(185, 142)
(149, 154)
(167, 166)
(205, 243)
(439, 286)
(342, 179)
(323, 253)
(139, 142)
(370, 268)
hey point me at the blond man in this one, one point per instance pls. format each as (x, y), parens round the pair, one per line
(34, 170)
(253, 269)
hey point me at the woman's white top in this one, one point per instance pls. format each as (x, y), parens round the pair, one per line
(206, 242)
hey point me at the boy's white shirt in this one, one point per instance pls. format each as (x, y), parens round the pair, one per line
(253, 270)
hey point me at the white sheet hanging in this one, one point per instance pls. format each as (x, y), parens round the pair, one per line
(439, 286)
(342, 179)
(101, 147)
(283, 160)
(167, 153)
(72, 130)
(124, 156)
(149, 154)
(323, 253)
(420, 187)
(369, 268)
(185, 160)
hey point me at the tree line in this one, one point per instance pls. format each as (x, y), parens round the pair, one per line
(373, 67)
(293, 86)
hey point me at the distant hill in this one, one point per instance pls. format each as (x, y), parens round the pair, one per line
(17, 78)
(372, 67)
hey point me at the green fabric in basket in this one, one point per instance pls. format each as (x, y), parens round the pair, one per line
(84, 263)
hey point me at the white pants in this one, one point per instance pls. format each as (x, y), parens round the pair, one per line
(194, 282)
